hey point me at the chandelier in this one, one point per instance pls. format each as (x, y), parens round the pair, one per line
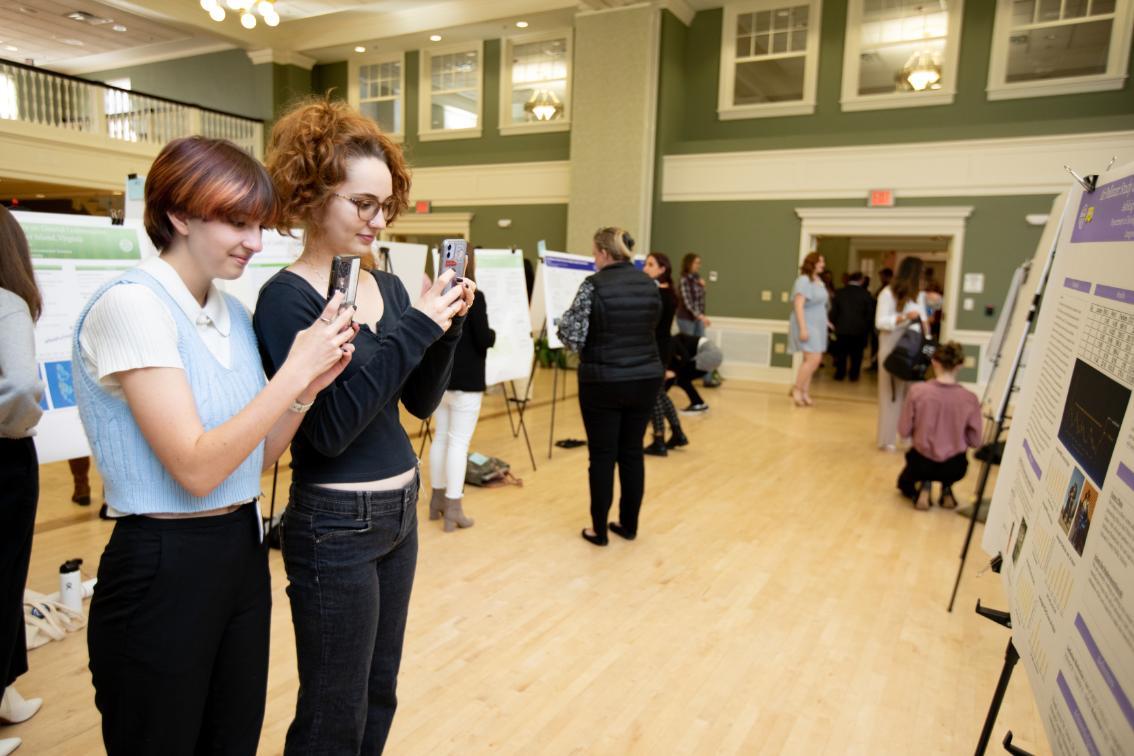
(922, 72)
(544, 105)
(266, 9)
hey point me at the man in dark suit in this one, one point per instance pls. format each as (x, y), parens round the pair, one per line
(852, 314)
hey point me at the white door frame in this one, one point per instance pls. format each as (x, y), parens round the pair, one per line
(948, 221)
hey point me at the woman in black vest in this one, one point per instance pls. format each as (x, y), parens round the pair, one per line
(611, 325)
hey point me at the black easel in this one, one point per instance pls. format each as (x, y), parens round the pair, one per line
(1011, 656)
(521, 406)
(1000, 419)
(426, 434)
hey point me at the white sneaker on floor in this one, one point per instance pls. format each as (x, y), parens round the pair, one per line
(15, 709)
(693, 409)
(7, 745)
(888, 447)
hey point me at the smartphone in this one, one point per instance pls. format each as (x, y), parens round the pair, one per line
(344, 278)
(454, 253)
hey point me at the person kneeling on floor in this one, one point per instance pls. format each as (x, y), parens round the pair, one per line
(943, 419)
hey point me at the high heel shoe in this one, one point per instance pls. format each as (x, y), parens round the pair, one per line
(455, 516)
(594, 538)
(15, 709)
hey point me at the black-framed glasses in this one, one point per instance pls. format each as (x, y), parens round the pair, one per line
(368, 207)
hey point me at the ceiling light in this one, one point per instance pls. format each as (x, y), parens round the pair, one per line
(118, 28)
(521, 24)
(922, 71)
(272, 19)
(11, 48)
(72, 42)
(235, 5)
(360, 48)
(208, 5)
(434, 37)
(265, 8)
(544, 105)
(247, 20)
(40, 196)
(216, 13)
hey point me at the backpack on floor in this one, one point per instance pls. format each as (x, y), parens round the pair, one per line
(489, 472)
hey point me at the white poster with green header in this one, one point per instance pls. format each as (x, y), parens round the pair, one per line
(73, 255)
(500, 275)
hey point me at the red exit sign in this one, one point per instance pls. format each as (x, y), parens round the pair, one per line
(423, 206)
(881, 198)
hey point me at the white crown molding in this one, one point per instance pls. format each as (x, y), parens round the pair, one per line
(543, 183)
(680, 8)
(283, 57)
(962, 168)
(136, 57)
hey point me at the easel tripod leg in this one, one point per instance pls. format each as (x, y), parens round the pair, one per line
(1011, 656)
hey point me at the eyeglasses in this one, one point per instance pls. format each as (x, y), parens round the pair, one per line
(368, 207)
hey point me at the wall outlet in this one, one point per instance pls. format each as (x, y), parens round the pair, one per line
(766, 295)
(712, 276)
(779, 348)
(783, 296)
(970, 361)
(967, 305)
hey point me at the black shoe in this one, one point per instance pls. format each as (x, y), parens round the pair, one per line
(595, 539)
(618, 530)
(657, 448)
(699, 407)
(839, 377)
(104, 513)
(677, 439)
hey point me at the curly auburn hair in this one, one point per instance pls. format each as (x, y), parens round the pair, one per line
(308, 151)
(810, 263)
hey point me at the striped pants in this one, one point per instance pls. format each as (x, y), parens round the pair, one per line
(663, 410)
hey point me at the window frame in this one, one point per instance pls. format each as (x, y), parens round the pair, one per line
(726, 110)
(998, 88)
(851, 100)
(535, 127)
(354, 68)
(425, 93)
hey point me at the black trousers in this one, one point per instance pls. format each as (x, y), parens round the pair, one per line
(920, 468)
(19, 494)
(615, 416)
(685, 375)
(178, 635)
(848, 348)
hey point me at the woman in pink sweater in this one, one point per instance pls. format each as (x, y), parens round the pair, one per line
(943, 419)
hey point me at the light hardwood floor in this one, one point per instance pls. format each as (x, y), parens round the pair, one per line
(780, 598)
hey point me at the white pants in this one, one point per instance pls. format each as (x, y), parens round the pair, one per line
(453, 426)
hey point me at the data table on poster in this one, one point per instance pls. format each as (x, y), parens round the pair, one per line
(1109, 341)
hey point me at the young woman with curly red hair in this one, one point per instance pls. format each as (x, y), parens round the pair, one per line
(350, 529)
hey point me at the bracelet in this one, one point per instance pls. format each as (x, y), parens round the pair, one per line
(299, 407)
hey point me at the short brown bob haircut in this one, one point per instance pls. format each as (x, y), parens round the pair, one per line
(308, 153)
(210, 179)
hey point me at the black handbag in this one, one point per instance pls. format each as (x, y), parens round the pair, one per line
(909, 360)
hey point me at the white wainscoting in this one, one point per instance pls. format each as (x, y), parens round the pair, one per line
(539, 183)
(978, 167)
(747, 347)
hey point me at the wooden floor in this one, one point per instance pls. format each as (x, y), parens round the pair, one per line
(780, 598)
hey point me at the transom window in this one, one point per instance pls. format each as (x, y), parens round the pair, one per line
(900, 53)
(378, 91)
(1059, 46)
(535, 78)
(451, 93)
(769, 58)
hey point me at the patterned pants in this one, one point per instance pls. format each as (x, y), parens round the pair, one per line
(663, 410)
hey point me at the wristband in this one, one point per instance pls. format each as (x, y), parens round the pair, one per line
(299, 407)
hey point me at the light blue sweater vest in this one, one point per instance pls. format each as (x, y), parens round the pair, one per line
(136, 481)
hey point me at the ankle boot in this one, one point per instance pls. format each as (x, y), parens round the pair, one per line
(657, 448)
(677, 439)
(437, 504)
(14, 709)
(7, 745)
(455, 516)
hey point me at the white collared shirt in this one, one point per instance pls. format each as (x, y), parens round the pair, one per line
(129, 327)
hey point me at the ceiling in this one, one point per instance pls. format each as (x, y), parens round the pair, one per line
(118, 33)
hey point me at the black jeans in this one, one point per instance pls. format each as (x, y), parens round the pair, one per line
(920, 468)
(848, 348)
(178, 635)
(615, 416)
(350, 559)
(685, 375)
(19, 494)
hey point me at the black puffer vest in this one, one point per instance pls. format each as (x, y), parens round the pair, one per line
(621, 345)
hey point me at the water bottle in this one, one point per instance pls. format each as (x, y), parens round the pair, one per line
(71, 584)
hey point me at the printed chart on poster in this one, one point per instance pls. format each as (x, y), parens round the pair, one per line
(560, 275)
(1063, 511)
(72, 256)
(500, 275)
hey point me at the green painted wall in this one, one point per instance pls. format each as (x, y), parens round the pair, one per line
(223, 81)
(971, 116)
(330, 76)
(289, 84)
(491, 147)
(530, 223)
(755, 246)
(836, 252)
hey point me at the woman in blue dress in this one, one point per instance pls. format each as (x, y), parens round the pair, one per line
(807, 332)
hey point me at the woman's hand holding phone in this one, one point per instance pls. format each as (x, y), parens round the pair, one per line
(442, 306)
(323, 350)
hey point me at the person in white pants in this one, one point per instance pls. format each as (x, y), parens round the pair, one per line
(901, 305)
(455, 420)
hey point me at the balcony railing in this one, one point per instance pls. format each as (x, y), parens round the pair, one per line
(58, 101)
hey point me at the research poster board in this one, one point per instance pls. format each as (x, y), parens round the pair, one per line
(407, 262)
(560, 275)
(1063, 511)
(73, 255)
(500, 275)
(278, 252)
